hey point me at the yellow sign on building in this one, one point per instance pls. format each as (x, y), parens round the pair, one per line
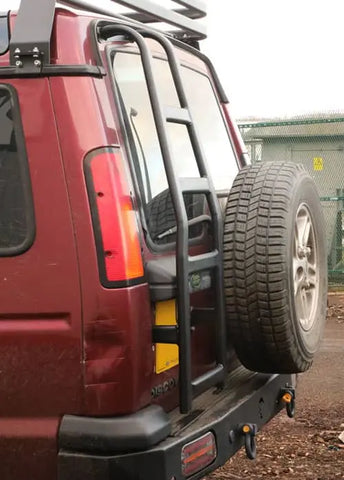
(318, 164)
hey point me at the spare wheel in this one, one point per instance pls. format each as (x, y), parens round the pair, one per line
(275, 268)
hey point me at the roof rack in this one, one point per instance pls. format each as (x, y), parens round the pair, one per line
(30, 42)
(181, 15)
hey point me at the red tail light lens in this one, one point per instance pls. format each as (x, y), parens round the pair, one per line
(198, 454)
(114, 218)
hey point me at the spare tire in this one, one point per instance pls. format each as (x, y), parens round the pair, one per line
(161, 220)
(275, 268)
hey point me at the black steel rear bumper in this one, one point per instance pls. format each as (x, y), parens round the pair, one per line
(148, 444)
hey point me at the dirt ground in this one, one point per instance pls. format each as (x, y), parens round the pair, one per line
(306, 447)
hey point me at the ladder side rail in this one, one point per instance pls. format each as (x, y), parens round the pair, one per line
(177, 42)
(183, 313)
(211, 196)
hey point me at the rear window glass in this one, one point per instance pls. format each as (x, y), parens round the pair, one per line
(16, 213)
(144, 141)
(3, 33)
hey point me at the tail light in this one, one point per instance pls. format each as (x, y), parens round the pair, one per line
(114, 218)
(198, 454)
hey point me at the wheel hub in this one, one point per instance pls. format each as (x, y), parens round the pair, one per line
(304, 251)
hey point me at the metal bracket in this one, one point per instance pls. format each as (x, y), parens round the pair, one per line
(29, 61)
(30, 41)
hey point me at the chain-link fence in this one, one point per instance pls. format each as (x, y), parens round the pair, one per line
(317, 142)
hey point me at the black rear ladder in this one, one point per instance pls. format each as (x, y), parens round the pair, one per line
(186, 265)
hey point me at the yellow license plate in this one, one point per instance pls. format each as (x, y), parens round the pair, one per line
(166, 355)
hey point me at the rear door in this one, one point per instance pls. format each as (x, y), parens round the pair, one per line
(145, 146)
(40, 292)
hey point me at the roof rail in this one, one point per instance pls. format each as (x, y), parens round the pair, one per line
(30, 42)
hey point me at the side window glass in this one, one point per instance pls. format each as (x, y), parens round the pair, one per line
(16, 212)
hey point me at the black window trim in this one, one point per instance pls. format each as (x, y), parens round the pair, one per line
(25, 178)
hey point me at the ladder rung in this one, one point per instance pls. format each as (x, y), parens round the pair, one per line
(203, 261)
(194, 185)
(177, 115)
(208, 379)
(165, 334)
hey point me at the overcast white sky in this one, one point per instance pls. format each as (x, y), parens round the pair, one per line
(275, 57)
(279, 57)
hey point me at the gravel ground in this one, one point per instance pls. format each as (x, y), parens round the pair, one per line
(306, 447)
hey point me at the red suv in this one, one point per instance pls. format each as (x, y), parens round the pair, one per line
(150, 321)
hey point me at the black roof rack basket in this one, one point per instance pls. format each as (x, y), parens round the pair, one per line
(30, 42)
(182, 15)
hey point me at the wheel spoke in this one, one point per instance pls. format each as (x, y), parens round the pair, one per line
(298, 231)
(303, 228)
(304, 305)
(296, 237)
(298, 275)
(306, 231)
(312, 276)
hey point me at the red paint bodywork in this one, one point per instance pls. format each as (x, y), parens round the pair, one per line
(67, 344)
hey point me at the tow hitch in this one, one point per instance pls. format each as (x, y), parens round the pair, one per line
(288, 397)
(249, 430)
